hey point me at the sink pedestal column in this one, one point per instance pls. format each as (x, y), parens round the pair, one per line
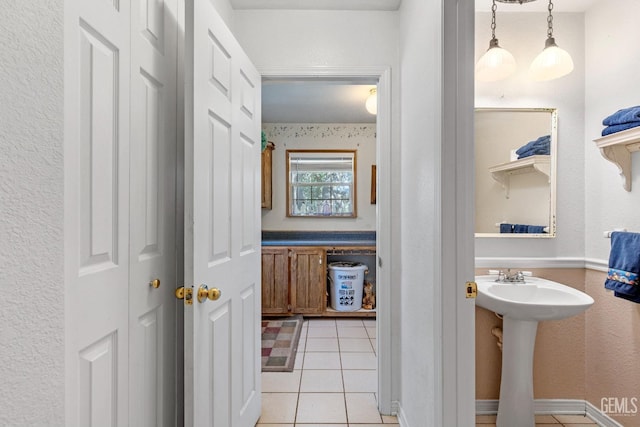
(516, 386)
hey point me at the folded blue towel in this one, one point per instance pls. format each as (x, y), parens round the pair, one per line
(535, 152)
(536, 229)
(543, 141)
(524, 228)
(520, 228)
(506, 228)
(625, 115)
(624, 266)
(617, 128)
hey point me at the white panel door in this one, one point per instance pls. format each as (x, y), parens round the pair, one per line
(152, 311)
(222, 232)
(96, 180)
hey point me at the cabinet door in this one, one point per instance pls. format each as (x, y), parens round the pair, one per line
(275, 280)
(308, 280)
(267, 175)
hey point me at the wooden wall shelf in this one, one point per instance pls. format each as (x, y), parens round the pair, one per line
(503, 172)
(617, 148)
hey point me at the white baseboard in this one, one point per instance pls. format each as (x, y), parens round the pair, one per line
(601, 418)
(596, 264)
(395, 407)
(555, 407)
(402, 418)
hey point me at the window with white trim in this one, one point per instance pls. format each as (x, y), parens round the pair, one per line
(321, 183)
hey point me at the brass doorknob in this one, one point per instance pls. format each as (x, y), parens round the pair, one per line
(155, 283)
(205, 293)
(214, 294)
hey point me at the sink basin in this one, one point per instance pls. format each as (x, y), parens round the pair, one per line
(537, 299)
(522, 306)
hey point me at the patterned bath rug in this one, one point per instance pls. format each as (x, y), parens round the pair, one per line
(280, 343)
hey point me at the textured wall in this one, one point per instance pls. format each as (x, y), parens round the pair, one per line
(560, 351)
(31, 214)
(359, 137)
(612, 61)
(613, 346)
(523, 34)
(613, 324)
(420, 67)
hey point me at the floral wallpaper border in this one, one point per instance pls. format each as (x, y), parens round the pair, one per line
(320, 131)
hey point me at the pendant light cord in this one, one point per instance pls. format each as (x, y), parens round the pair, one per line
(549, 21)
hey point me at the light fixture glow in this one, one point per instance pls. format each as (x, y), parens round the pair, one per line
(371, 104)
(496, 63)
(553, 62)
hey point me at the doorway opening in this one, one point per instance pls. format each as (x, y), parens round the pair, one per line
(301, 91)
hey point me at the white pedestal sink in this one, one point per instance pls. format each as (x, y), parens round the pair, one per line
(522, 306)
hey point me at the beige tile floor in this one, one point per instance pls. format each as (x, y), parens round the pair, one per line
(334, 381)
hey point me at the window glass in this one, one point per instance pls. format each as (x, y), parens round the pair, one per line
(321, 183)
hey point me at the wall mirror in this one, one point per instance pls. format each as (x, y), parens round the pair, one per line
(321, 183)
(516, 172)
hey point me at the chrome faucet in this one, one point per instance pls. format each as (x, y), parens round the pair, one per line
(509, 277)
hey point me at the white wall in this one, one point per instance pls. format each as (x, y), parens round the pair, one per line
(523, 34)
(421, 60)
(303, 38)
(31, 214)
(612, 64)
(296, 136)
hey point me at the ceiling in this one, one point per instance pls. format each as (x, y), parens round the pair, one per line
(481, 5)
(536, 6)
(317, 4)
(315, 101)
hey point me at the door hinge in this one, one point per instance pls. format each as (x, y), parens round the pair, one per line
(471, 289)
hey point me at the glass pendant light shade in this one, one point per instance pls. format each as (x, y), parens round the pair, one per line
(551, 63)
(371, 104)
(496, 63)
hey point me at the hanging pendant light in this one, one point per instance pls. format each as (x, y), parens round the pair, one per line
(552, 62)
(371, 104)
(496, 63)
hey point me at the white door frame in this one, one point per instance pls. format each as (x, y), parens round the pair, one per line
(457, 222)
(383, 215)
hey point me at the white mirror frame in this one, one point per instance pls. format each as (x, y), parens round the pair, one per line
(553, 123)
